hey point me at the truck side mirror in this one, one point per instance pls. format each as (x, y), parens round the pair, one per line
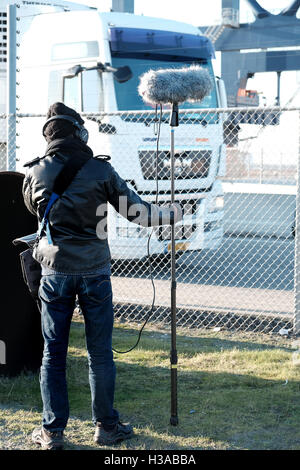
(122, 74)
(73, 71)
(223, 96)
(103, 127)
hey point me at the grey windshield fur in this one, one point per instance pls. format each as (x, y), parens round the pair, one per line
(175, 85)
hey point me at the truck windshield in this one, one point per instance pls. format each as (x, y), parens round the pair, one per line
(127, 93)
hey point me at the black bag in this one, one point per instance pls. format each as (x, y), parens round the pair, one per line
(31, 269)
(32, 272)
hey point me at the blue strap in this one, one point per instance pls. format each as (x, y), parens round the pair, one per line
(52, 200)
(49, 238)
(44, 222)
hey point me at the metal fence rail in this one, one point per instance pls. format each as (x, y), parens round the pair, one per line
(236, 263)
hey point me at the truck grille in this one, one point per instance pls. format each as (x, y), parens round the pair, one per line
(182, 232)
(188, 165)
(188, 206)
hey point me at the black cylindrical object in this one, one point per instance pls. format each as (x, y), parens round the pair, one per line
(21, 340)
(174, 122)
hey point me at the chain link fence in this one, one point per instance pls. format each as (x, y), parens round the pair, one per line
(244, 278)
(3, 140)
(236, 181)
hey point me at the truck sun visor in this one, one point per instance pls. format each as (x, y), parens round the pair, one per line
(136, 40)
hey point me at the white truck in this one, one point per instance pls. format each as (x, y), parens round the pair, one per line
(70, 57)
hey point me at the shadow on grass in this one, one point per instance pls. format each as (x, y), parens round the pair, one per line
(201, 343)
(215, 410)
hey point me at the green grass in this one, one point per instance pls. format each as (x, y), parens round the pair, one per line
(235, 391)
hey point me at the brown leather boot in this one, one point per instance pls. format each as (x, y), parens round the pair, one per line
(48, 440)
(119, 433)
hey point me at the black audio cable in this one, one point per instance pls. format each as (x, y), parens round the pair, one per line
(157, 124)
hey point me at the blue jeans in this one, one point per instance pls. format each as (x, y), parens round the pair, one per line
(57, 294)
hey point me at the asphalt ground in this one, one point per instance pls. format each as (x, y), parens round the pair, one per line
(247, 275)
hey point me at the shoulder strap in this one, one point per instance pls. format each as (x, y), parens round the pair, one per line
(61, 183)
(68, 173)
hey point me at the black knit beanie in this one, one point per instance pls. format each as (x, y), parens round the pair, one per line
(60, 128)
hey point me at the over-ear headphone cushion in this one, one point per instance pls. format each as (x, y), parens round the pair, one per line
(83, 134)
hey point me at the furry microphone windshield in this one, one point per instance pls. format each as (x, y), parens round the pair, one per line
(175, 85)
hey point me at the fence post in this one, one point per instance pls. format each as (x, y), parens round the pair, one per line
(297, 247)
(11, 88)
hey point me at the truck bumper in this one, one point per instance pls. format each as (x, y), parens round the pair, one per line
(126, 248)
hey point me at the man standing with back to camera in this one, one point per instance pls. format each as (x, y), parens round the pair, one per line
(75, 260)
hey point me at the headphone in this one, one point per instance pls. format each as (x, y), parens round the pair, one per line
(80, 131)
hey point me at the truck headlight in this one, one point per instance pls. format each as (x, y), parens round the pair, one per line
(216, 204)
(219, 202)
